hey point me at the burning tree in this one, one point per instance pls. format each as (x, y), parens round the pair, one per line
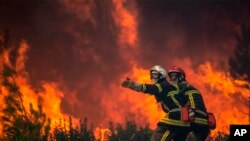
(18, 123)
(239, 62)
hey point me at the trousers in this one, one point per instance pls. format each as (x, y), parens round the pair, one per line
(169, 132)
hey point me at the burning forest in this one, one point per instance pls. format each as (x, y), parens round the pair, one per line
(62, 63)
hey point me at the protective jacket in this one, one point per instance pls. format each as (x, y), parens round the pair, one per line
(196, 102)
(171, 99)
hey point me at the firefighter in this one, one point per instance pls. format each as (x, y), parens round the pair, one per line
(198, 114)
(171, 126)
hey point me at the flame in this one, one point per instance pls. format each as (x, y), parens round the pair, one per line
(153, 109)
(139, 107)
(50, 96)
(223, 96)
(102, 134)
(125, 20)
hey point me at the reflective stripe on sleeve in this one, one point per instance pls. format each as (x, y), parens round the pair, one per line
(159, 87)
(165, 135)
(143, 87)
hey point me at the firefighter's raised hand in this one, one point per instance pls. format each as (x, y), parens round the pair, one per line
(132, 85)
(127, 83)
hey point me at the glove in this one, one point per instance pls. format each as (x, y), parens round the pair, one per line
(132, 85)
(128, 83)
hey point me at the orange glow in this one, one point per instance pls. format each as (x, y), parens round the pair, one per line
(144, 107)
(82, 9)
(125, 20)
(2, 93)
(50, 97)
(223, 96)
(102, 134)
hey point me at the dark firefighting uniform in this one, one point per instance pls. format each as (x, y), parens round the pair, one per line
(200, 125)
(171, 126)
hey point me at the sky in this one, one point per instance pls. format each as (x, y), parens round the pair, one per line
(87, 47)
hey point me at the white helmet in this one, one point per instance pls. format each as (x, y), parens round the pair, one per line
(159, 70)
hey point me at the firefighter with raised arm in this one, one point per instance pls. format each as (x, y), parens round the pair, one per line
(171, 127)
(198, 115)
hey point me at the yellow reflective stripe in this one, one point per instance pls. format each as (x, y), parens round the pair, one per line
(176, 86)
(174, 122)
(191, 98)
(192, 91)
(143, 88)
(172, 93)
(159, 87)
(200, 120)
(165, 135)
(191, 101)
(175, 101)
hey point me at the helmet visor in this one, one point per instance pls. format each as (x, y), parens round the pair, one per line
(154, 75)
(173, 76)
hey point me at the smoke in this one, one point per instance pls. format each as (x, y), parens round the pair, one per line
(201, 31)
(86, 48)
